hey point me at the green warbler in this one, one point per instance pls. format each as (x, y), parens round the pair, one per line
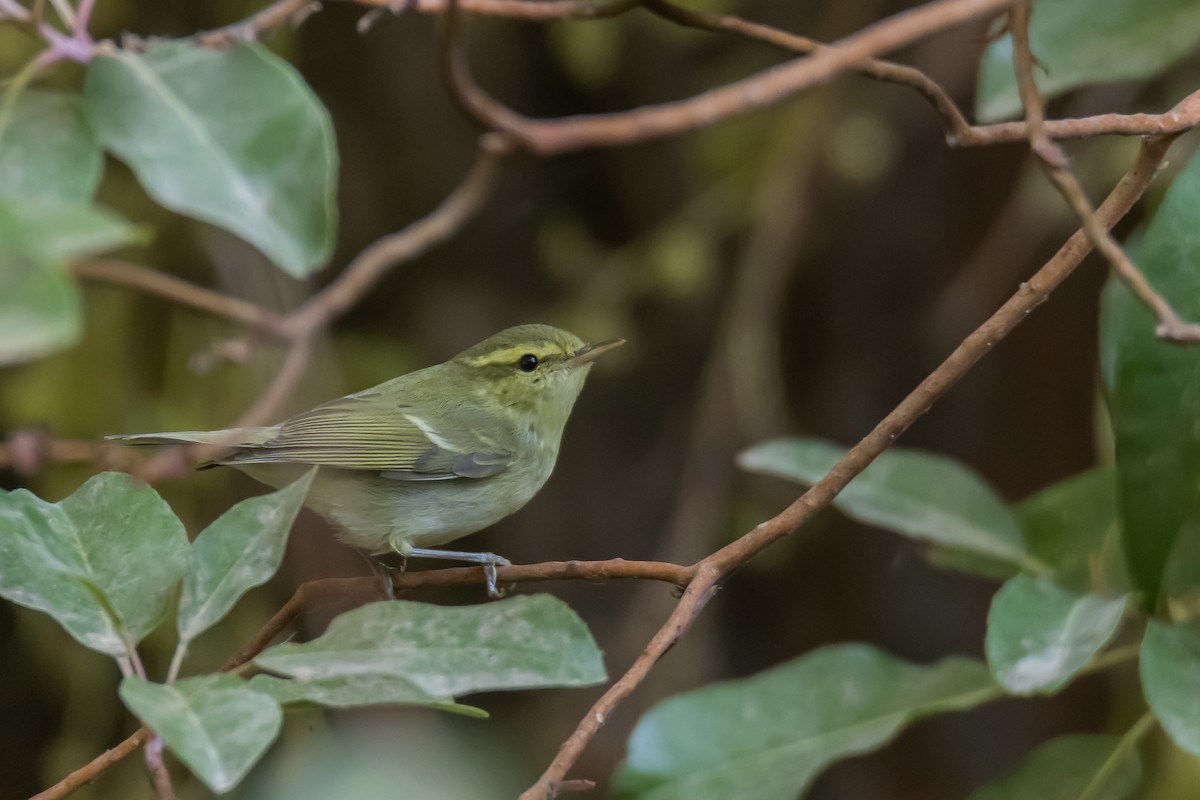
(431, 456)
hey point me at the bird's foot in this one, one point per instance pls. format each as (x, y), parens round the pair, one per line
(489, 562)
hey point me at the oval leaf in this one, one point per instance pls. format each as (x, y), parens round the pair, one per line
(767, 737)
(520, 643)
(240, 550)
(1066, 769)
(1039, 635)
(233, 137)
(1170, 669)
(48, 150)
(1153, 398)
(920, 495)
(1074, 42)
(214, 723)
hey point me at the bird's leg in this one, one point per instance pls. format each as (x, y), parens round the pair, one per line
(489, 561)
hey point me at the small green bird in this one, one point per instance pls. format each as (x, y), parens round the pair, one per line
(431, 456)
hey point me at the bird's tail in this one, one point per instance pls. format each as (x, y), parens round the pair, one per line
(231, 437)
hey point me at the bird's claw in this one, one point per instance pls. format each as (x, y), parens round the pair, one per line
(489, 574)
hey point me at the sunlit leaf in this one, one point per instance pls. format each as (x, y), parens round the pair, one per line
(48, 150)
(1041, 635)
(1170, 666)
(105, 559)
(1067, 767)
(233, 137)
(214, 723)
(1154, 393)
(1074, 42)
(921, 495)
(240, 550)
(442, 652)
(767, 737)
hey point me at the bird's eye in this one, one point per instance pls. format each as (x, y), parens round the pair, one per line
(527, 362)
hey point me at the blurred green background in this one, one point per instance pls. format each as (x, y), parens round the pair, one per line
(797, 270)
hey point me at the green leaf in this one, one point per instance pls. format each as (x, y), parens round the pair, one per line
(48, 150)
(214, 723)
(41, 567)
(1075, 42)
(1069, 520)
(767, 737)
(106, 558)
(920, 495)
(1065, 769)
(39, 301)
(240, 550)
(520, 643)
(1170, 667)
(349, 690)
(55, 231)
(1040, 635)
(133, 544)
(1154, 396)
(40, 309)
(233, 137)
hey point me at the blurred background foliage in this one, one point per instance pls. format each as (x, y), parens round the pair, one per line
(796, 270)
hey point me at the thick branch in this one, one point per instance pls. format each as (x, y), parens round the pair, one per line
(712, 569)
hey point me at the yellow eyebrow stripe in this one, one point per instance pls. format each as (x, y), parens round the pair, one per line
(509, 355)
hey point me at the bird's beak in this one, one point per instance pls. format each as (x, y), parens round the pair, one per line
(590, 352)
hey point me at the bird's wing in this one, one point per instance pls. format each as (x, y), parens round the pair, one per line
(369, 432)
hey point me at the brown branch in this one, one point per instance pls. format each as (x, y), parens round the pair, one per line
(551, 137)
(1054, 163)
(316, 593)
(179, 291)
(405, 245)
(953, 121)
(96, 767)
(715, 567)
(159, 776)
(28, 450)
(959, 132)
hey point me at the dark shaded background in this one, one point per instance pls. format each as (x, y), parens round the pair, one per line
(798, 270)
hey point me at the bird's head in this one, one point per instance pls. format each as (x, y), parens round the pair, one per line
(532, 368)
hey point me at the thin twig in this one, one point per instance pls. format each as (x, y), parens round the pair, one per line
(953, 121)
(959, 132)
(159, 777)
(551, 137)
(144, 279)
(96, 767)
(1054, 163)
(178, 460)
(405, 245)
(14, 10)
(715, 567)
